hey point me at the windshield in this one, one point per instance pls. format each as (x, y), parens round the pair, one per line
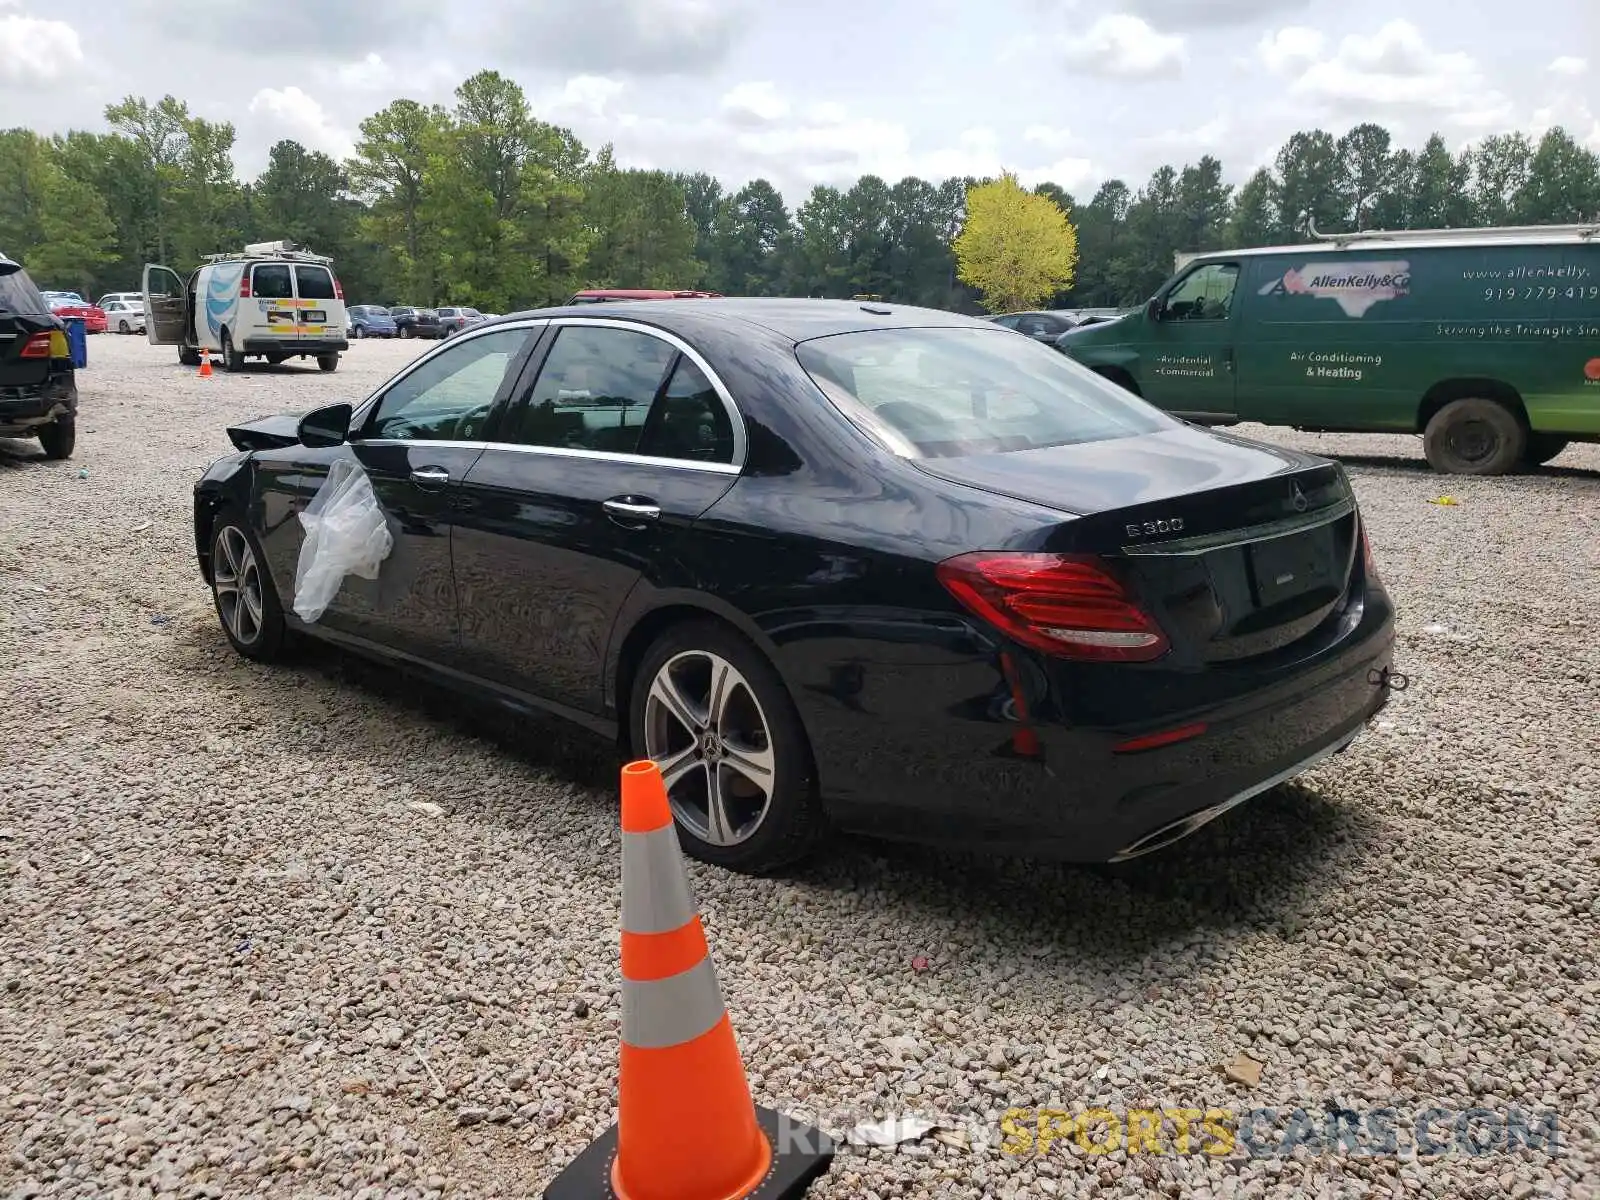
(944, 393)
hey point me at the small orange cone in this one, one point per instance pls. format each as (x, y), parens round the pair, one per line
(687, 1128)
(205, 363)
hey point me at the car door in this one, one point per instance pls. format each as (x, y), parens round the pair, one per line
(1187, 365)
(416, 441)
(164, 306)
(616, 441)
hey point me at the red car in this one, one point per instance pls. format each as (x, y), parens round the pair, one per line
(612, 295)
(70, 304)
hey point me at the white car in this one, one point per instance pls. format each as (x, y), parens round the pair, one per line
(124, 316)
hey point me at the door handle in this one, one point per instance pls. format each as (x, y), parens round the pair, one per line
(430, 479)
(627, 510)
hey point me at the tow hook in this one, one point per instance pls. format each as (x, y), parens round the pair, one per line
(1388, 678)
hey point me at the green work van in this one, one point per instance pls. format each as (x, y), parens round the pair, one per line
(1486, 342)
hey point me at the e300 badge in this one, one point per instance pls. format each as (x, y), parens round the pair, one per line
(1151, 528)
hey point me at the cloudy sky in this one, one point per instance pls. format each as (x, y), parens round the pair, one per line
(1075, 91)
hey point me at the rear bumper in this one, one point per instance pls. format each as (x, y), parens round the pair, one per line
(22, 411)
(312, 346)
(954, 765)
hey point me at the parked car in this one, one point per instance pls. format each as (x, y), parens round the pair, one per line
(70, 304)
(124, 316)
(134, 298)
(371, 320)
(273, 300)
(899, 572)
(616, 295)
(454, 320)
(1041, 326)
(1482, 340)
(38, 386)
(415, 322)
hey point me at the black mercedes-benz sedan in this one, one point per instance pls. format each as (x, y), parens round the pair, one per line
(835, 565)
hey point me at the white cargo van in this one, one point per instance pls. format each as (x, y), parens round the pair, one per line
(274, 301)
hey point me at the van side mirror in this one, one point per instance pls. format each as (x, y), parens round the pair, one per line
(322, 427)
(1152, 308)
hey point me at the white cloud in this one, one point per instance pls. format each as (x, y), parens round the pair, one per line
(367, 75)
(1289, 48)
(293, 113)
(1568, 65)
(34, 50)
(1048, 136)
(1125, 47)
(582, 96)
(755, 103)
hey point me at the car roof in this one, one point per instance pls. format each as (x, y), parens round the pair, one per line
(796, 320)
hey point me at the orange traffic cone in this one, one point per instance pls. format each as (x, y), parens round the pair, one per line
(687, 1128)
(205, 363)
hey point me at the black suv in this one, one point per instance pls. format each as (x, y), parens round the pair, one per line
(416, 322)
(38, 387)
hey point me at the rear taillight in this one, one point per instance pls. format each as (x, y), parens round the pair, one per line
(1070, 606)
(338, 290)
(244, 286)
(1368, 563)
(37, 346)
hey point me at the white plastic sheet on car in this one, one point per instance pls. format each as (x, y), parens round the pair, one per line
(346, 534)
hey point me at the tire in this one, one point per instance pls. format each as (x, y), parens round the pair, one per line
(1542, 447)
(405, 331)
(1475, 437)
(189, 356)
(358, 332)
(327, 362)
(122, 327)
(753, 838)
(258, 632)
(277, 359)
(232, 359)
(59, 438)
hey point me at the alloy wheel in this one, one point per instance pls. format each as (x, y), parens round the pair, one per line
(236, 580)
(705, 728)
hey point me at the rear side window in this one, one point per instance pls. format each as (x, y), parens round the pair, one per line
(945, 393)
(689, 420)
(271, 281)
(18, 295)
(316, 283)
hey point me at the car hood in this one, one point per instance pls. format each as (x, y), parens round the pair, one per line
(266, 433)
(1094, 477)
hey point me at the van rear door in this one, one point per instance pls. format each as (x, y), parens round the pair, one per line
(319, 310)
(164, 306)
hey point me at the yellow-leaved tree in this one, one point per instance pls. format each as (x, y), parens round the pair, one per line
(1017, 248)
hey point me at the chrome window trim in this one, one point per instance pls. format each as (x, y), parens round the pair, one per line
(735, 417)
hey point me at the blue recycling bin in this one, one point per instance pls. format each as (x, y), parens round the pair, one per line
(78, 341)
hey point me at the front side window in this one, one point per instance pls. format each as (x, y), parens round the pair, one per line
(271, 281)
(448, 397)
(593, 392)
(944, 393)
(1205, 294)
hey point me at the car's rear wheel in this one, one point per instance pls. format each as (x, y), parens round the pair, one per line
(232, 359)
(247, 603)
(1474, 437)
(122, 327)
(1542, 447)
(405, 331)
(59, 438)
(358, 332)
(712, 711)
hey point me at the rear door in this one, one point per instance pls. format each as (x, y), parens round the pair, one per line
(618, 440)
(164, 306)
(319, 309)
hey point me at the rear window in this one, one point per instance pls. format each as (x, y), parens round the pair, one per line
(945, 393)
(316, 283)
(270, 281)
(18, 295)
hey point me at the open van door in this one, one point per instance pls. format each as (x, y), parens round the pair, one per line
(163, 306)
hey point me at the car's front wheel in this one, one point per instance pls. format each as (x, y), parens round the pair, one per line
(241, 586)
(714, 714)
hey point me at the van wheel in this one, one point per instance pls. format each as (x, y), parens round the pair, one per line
(232, 359)
(1474, 437)
(328, 362)
(189, 356)
(1542, 447)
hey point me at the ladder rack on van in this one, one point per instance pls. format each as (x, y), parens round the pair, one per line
(1492, 233)
(256, 252)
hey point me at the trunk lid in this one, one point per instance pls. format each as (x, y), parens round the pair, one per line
(266, 433)
(1239, 549)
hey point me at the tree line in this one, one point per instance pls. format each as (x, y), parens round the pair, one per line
(483, 203)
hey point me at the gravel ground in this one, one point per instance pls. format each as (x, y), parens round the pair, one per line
(236, 960)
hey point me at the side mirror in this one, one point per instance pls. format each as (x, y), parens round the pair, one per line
(328, 426)
(1152, 308)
